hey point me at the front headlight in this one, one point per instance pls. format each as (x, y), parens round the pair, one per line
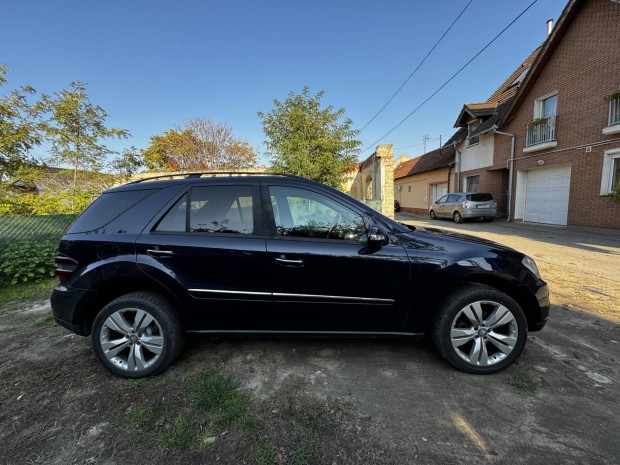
(530, 264)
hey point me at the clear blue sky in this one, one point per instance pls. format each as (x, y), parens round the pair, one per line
(151, 64)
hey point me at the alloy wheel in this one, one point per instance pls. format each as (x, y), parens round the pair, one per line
(484, 333)
(132, 339)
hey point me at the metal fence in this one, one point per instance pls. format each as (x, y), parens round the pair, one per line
(614, 111)
(38, 229)
(542, 130)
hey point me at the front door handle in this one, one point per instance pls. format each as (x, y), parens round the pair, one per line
(290, 263)
(160, 253)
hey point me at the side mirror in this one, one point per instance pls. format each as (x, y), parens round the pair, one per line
(376, 237)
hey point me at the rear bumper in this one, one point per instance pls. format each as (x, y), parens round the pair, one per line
(479, 213)
(64, 302)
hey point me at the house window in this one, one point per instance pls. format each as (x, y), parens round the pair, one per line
(546, 107)
(471, 183)
(610, 179)
(408, 188)
(542, 128)
(614, 111)
(471, 128)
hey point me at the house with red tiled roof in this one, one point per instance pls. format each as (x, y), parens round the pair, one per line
(422, 180)
(546, 144)
(476, 139)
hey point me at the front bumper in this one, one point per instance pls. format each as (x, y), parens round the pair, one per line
(542, 295)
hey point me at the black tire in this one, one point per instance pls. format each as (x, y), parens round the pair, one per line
(485, 336)
(457, 217)
(432, 215)
(144, 347)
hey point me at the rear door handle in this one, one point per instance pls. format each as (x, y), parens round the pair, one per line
(289, 263)
(160, 253)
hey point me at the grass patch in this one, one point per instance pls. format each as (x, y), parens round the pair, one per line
(19, 293)
(46, 322)
(523, 383)
(267, 454)
(304, 451)
(221, 396)
(139, 417)
(182, 433)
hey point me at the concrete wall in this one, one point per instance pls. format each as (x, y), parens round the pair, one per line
(373, 181)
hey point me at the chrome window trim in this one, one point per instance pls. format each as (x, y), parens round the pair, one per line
(307, 296)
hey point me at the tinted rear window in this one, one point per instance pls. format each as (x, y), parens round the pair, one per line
(106, 208)
(482, 197)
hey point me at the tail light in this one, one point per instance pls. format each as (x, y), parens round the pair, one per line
(465, 204)
(65, 266)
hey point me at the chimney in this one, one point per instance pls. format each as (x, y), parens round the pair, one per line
(549, 27)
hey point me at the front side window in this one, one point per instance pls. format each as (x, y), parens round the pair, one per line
(303, 213)
(212, 209)
(472, 183)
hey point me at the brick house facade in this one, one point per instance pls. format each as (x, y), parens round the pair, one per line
(566, 134)
(578, 67)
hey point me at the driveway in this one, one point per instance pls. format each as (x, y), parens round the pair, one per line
(328, 401)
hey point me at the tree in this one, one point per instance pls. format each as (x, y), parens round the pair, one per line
(200, 144)
(77, 131)
(307, 140)
(20, 128)
(128, 163)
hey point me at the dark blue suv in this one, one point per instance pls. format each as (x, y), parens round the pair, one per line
(153, 260)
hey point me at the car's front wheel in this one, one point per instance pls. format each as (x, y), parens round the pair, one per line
(480, 330)
(137, 335)
(432, 215)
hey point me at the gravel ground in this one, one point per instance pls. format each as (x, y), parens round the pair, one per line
(327, 401)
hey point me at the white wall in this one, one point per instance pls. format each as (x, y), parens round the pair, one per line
(477, 156)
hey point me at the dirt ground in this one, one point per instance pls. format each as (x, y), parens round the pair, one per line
(267, 401)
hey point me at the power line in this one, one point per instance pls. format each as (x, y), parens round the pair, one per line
(417, 145)
(417, 67)
(451, 78)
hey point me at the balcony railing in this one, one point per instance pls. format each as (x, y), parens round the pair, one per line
(540, 131)
(614, 111)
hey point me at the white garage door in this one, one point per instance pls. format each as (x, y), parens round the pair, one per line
(546, 195)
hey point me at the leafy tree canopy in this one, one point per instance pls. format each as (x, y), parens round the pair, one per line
(77, 131)
(20, 128)
(200, 144)
(307, 140)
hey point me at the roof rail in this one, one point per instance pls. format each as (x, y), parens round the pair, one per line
(213, 174)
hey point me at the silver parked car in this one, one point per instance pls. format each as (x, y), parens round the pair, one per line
(464, 205)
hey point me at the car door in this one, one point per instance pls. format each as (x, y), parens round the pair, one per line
(450, 204)
(208, 249)
(440, 206)
(324, 275)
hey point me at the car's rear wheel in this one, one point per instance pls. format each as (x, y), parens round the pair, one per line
(480, 330)
(457, 217)
(137, 335)
(432, 215)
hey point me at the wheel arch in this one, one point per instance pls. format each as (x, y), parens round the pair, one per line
(107, 291)
(520, 294)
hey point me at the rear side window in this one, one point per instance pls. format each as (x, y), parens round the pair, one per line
(106, 208)
(212, 209)
(482, 197)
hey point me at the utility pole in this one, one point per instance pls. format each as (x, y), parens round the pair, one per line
(425, 138)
